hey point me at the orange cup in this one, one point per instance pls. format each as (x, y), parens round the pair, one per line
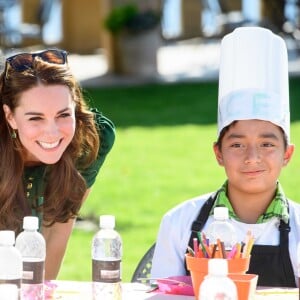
(245, 284)
(198, 268)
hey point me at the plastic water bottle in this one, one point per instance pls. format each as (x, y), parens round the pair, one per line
(10, 262)
(221, 229)
(32, 247)
(9, 291)
(217, 285)
(106, 261)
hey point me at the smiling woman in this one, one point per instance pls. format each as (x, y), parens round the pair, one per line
(45, 128)
(52, 148)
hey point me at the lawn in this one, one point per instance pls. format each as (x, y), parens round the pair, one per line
(162, 156)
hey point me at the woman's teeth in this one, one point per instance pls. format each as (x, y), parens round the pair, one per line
(49, 145)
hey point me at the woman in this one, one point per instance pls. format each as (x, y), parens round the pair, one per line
(52, 147)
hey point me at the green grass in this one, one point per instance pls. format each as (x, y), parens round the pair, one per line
(162, 156)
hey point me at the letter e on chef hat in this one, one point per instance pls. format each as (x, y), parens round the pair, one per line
(253, 78)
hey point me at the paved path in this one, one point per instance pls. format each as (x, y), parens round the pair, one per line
(192, 61)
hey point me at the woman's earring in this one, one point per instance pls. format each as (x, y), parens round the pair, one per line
(14, 134)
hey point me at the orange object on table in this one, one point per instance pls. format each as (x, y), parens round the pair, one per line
(237, 267)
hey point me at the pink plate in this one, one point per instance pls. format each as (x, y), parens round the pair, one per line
(170, 286)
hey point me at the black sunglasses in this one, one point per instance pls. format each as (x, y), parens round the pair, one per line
(23, 61)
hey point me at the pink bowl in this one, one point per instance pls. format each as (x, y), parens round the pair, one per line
(167, 286)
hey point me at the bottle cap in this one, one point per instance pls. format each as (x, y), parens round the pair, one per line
(31, 223)
(217, 266)
(7, 237)
(221, 213)
(107, 221)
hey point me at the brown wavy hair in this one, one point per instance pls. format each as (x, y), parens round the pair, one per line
(64, 187)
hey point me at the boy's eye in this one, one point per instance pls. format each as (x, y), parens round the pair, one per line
(268, 145)
(235, 145)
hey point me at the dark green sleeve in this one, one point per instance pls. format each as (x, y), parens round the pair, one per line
(107, 138)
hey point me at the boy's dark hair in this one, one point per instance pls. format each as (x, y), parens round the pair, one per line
(225, 129)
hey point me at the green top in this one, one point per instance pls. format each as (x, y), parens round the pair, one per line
(34, 176)
(277, 208)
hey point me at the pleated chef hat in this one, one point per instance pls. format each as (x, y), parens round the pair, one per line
(253, 78)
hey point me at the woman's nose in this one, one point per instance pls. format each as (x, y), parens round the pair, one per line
(51, 128)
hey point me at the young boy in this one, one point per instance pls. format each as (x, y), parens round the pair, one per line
(253, 146)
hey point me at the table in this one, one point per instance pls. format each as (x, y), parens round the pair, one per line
(67, 290)
(277, 293)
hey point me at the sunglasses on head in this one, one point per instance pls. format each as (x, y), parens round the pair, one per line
(23, 61)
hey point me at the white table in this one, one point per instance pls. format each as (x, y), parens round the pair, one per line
(77, 290)
(130, 291)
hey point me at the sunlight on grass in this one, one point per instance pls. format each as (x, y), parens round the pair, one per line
(154, 166)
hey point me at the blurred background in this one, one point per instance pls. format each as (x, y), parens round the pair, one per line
(133, 40)
(152, 67)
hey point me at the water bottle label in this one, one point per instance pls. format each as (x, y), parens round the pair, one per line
(106, 271)
(33, 272)
(17, 282)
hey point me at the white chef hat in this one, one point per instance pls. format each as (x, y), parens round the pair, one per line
(253, 78)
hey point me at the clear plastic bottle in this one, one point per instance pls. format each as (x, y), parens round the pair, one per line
(217, 285)
(9, 291)
(10, 260)
(106, 261)
(221, 229)
(32, 247)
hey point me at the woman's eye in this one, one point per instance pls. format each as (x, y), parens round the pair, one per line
(35, 119)
(64, 115)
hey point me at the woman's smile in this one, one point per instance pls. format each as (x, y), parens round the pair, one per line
(49, 146)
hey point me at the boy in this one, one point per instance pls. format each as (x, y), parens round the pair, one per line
(253, 146)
